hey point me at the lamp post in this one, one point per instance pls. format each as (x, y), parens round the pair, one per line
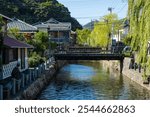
(49, 45)
(59, 40)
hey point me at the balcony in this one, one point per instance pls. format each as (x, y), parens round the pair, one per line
(60, 40)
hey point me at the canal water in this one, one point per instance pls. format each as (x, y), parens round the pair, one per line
(92, 81)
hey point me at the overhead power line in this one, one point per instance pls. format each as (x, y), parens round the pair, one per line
(122, 8)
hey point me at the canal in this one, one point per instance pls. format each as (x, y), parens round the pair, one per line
(92, 81)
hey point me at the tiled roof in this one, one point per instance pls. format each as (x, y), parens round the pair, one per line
(54, 25)
(22, 26)
(13, 43)
(52, 20)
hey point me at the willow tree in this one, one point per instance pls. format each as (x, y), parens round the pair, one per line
(83, 36)
(138, 14)
(101, 34)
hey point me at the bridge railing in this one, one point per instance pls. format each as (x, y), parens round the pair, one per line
(83, 51)
(90, 50)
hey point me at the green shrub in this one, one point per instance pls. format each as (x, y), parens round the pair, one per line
(35, 60)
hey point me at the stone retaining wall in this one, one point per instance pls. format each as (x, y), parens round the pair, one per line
(35, 88)
(130, 73)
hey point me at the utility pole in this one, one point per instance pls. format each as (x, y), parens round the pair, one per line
(112, 30)
(91, 24)
(49, 37)
(110, 9)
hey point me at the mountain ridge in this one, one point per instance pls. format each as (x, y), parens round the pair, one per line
(32, 11)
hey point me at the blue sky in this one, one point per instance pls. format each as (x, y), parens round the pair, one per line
(86, 10)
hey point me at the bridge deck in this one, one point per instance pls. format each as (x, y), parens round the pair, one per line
(85, 56)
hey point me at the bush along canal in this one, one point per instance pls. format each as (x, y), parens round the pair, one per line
(92, 81)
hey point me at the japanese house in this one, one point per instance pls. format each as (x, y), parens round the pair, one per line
(59, 32)
(24, 28)
(13, 51)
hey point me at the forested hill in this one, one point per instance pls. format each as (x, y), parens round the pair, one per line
(33, 11)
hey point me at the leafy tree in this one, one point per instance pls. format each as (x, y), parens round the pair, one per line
(127, 40)
(83, 36)
(101, 34)
(138, 13)
(35, 59)
(40, 42)
(15, 32)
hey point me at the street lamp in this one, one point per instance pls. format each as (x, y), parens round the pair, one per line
(49, 45)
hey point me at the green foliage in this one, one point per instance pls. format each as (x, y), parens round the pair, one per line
(138, 13)
(40, 42)
(101, 35)
(53, 45)
(1, 23)
(127, 40)
(83, 36)
(16, 34)
(35, 60)
(33, 11)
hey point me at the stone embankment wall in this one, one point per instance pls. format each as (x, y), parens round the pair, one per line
(134, 75)
(36, 87)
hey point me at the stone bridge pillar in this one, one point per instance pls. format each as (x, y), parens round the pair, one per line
(121, 65)
(1, 92)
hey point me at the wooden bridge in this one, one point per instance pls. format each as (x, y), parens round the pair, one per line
(89, 54)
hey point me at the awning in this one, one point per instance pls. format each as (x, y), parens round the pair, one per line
(13, 43)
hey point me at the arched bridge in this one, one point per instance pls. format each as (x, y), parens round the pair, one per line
(90, 54)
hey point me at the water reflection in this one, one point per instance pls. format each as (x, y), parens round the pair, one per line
(91, 81)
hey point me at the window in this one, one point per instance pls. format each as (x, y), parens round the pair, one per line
(5, 56)
(10, 55)
(22, 58)
(13, 55)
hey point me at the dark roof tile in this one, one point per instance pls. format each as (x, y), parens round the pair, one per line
(13, 43)
(22, 26)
